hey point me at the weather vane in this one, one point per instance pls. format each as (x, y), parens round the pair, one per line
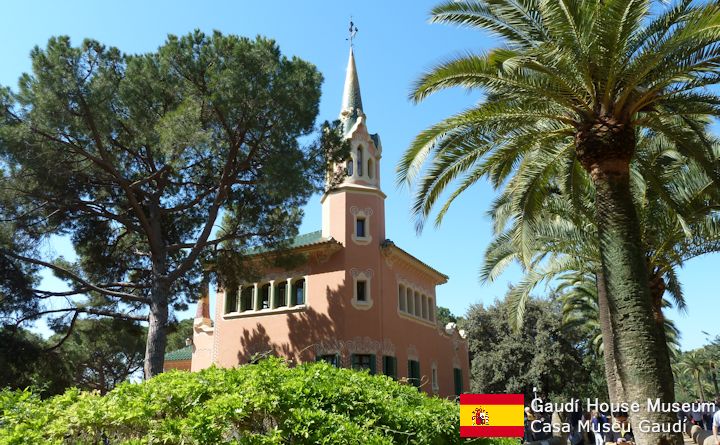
(353, 30)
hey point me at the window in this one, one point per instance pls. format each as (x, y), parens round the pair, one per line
(457, 376)
(410, 301)
(333, 359)
(434, 378)
(265, 297)
(414, 372)
(401, 298)
(424, 307)
(360, 160)
(364, 361)
(361, 233)
(298, 292)
(390, 366)
(360, 227)
(431, 309)
(361, 290)
(418, 305)
(281, 295)
(371, 168)
(231, 300)
(246, 297)
(349, 167)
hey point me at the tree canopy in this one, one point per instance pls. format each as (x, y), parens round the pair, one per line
(152, 164)
(542, 353)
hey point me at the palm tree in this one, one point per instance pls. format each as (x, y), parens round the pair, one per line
(695, 364)
(562, 247)
(579, 297)
(575, 84)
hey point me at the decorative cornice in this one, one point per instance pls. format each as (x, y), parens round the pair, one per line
(391, 252)
(353, 188)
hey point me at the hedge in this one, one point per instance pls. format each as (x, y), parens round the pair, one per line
(266, 403)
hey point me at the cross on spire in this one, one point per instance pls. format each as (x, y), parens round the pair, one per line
(352, 31)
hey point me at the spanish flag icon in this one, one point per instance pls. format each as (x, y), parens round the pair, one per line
(492, 415)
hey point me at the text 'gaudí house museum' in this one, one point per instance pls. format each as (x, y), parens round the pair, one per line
(358, 301)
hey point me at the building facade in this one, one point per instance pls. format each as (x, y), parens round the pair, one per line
(358, 300)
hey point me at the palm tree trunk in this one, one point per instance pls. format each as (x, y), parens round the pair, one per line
(657, 291)
(714, 379)
(701, 391)
(611, 373)
(642, 358)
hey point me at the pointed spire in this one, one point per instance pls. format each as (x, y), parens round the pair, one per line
(351, 101)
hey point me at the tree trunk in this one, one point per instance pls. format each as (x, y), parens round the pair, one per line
(611, 373)
(701, 391)
(714, 380)
(642, 357)
(157, 326)
(159, 297)
(605, 149)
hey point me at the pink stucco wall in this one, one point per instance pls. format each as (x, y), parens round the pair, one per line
(330, 322)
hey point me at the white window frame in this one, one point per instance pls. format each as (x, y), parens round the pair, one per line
(365, 214)
(256, 302)
(366, 276)
(412, 294)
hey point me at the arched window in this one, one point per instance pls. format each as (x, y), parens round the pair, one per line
(281, 295)
(246, 297)
(349, 167)
(360, 160)
(265, 297)
(298, 292)
(371, 168)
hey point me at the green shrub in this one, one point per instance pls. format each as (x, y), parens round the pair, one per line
(264, 403)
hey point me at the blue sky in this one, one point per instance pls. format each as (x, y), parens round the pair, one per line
(393, 46)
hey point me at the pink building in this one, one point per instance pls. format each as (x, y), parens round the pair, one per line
(358, 301)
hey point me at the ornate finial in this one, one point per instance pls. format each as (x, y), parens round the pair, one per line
(353, 30)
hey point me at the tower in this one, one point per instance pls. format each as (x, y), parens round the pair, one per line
(353, 212)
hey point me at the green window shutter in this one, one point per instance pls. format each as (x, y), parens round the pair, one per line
(457, 374)
(373, 364)
(414, 372)
(390, 366)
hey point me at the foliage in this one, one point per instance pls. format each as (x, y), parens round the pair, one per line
(543, 353)
(178, 333)
(444, 316)
(101, 353)
(96, 355)
(149, 154)
(573, 86)
(696, 373)
(564, 66)
(263, 403)
(25, 363)
(562, 247)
